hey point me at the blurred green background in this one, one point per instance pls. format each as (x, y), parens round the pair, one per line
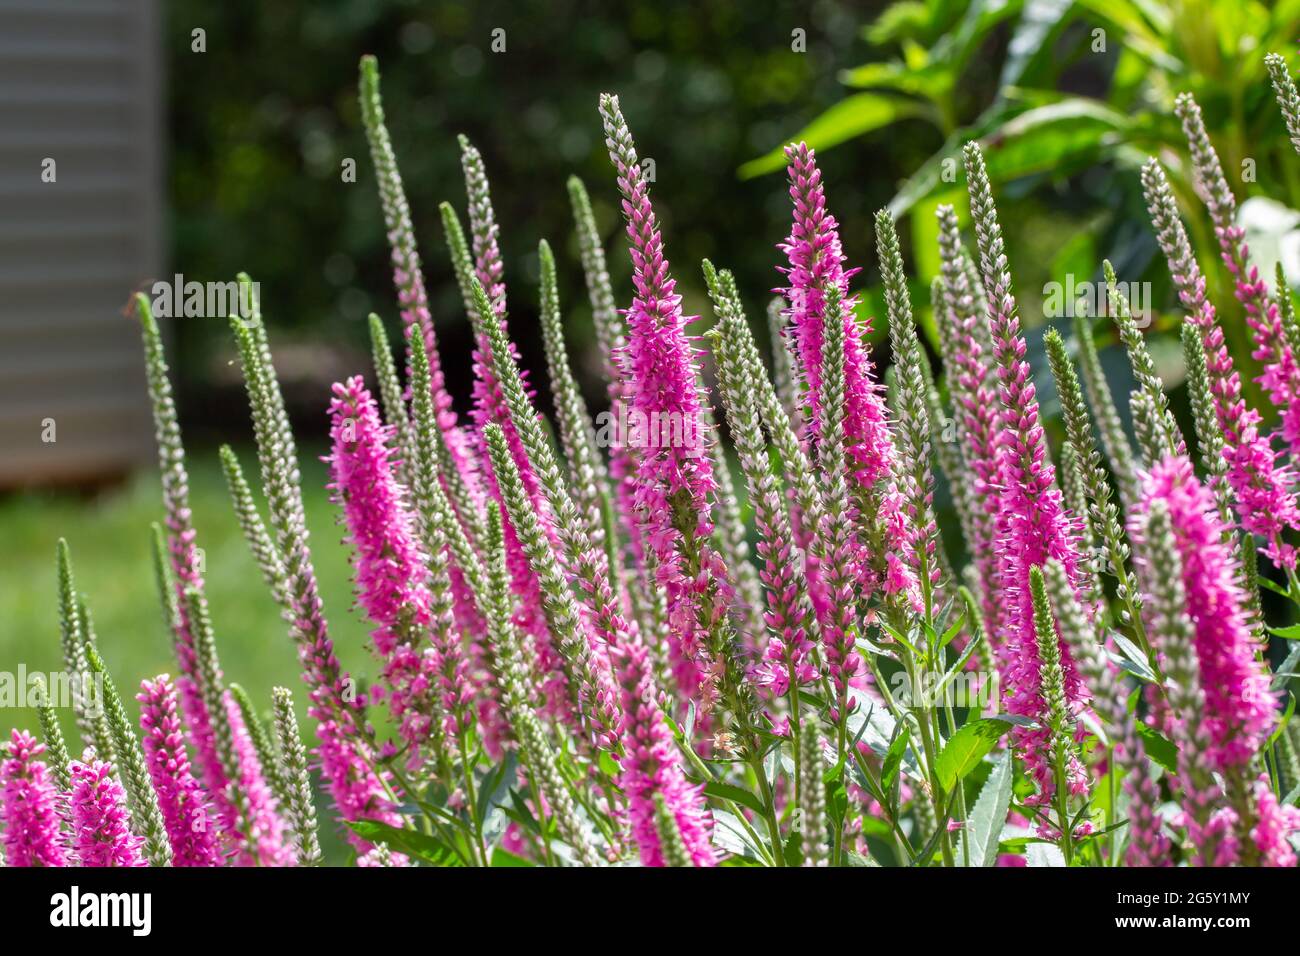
(259, 125)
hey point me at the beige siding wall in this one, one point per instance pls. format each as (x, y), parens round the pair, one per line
(79, 84)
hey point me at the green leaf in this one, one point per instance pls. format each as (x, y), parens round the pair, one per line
(422, 846)
(1286, 669)
(1133, 660)
(1290, 632)
(739, 795)
(967, 747)
(989, 814)
(731, 835)
(505, 858)
(495, 785)
(858, 114)
(1274, 587)
(893, 762)
(1158, 747)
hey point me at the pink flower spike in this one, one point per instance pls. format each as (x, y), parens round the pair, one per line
(100, 820)
(651, 766)
(1240, 710)
(674, 479)
(30, 806)
(189, 818)
(391, 574)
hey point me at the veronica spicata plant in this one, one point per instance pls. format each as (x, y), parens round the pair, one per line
(579, 662)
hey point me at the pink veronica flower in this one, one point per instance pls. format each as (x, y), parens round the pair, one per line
(674, 478)
(184, 804)
(1033, 523)
(817, 263)
(100, 821)
(652, 765)
(29, 803)
(1240, 710)
(1264, 505)
(391, 574)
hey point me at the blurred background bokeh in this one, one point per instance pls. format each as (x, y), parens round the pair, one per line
(230, 127)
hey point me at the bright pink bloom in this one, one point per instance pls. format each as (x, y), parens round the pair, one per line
(1264, 505)
(674, 478)
(651, 765)
(188, 817)
(100, 820)
(1274, 823)
(264, 833)
(30, 806)
(1240, 710)
(1033, 524)
(816, 264)
(391, 573)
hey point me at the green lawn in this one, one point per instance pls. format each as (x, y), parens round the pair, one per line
(110, 542)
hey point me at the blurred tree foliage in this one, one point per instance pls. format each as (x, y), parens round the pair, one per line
(261, 123)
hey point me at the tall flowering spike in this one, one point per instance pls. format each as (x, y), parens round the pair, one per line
(183, 552)
(805, 502)
(456, 574)
(611, 337)
(298, 803)
(812, 799)
(164, 578)
(582, 559)
(536, 751)
(390, 391)
(29, 805)
(250, 522)
(1264, 505)
(488, 267)
(1102, 516)
(913, 426)
(578, 438)
(1240, 710)
(838, 543)
(1109, 426)
(947, 450)
(1167, 439)
(55, 745)
(261, 741)
(91, 724)
(183, 802)
(817, 265)
(100, 820)
(967, 356)
(1281, 377)
(787, 660)
(1147, 844)
(581, 686)
(1174, 633)
(1057, 717)
(786, 377)
(408, 278)
(1287, 96)
(344, 750)
(675, 481)
(1075, 493)
(1033, 523)
(247, 805)
(390, 573)
(1286, 308)
(652, 766)
(146, 815)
